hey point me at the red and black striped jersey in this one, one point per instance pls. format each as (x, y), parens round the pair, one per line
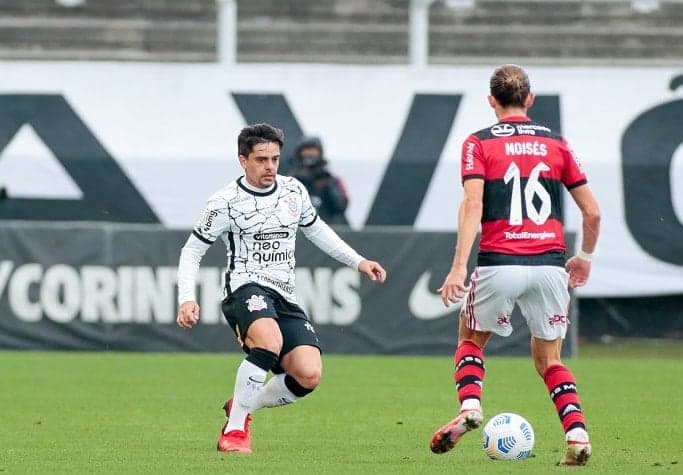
(524, 166)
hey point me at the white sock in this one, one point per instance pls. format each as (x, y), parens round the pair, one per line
(470, 404)
(577, 434)
(275, 393)
(249, 380)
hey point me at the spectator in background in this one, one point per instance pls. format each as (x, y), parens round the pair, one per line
(328, 193)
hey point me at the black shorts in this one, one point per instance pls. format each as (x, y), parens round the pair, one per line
(252, 301)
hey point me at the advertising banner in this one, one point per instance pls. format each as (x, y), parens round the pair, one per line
(149, 143)
(92, 287)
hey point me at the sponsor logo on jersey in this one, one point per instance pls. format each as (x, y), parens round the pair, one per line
(271, 235)
(284, 286)
(469, 156)
(502, 130)
(535, 148)
(274, 256)
(503, 320)
(207, 220)
(530, 129)
(576, 160)
(527, 235)
(256, 303)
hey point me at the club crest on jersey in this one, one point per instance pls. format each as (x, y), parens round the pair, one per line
(292, 205)
(256, 303)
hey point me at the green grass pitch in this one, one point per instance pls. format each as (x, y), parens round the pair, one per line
(160, 413)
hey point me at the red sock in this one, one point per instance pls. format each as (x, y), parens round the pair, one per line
(562, 386)
(469, 371)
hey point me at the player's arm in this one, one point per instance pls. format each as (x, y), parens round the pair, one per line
(576, 182)
(469, 218)
(324, 237)
(579, 266)
(188, 268)
(212, 224)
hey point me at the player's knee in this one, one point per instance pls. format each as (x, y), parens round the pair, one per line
(302, 384)
(273, 345)
(311, 379)
(264, 333)
(308, 378)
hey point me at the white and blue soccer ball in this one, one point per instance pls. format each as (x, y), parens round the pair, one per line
(508, 436)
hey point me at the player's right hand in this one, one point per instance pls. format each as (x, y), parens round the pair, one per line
(373, 270)
(188, 314)
(453, 289)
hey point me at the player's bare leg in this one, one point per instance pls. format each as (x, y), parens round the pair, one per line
(562, 387)
(265, 340)
(469, 375)
(303, 371)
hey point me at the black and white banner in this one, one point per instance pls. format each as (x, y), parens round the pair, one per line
(110, 287)
(148, 143)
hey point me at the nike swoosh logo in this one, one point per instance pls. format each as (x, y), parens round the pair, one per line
(254, 380)
(424, 304)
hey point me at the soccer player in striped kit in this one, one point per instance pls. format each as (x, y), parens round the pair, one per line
(257, 217)
(513, 174)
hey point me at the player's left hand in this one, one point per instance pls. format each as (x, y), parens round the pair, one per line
(579, 270)
(373, 270)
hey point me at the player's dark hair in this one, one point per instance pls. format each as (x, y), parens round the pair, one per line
(258, 133)
(510, 86)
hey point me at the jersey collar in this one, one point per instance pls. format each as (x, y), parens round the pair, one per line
(256, 191)
(516, 118)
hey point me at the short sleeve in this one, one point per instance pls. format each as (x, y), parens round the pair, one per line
(308, 212)
(214, 220)
(472, 159)
(573, 175)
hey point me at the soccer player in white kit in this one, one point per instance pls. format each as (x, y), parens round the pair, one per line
(513, 175)
(257, 217)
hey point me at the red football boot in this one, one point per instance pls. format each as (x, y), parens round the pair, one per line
(235, 440)
(447, 436)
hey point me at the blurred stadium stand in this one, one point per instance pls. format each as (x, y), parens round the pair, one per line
(592, 30)
(345, 31)
(138, 30)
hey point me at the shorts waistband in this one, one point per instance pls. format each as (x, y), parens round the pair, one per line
(550, 258)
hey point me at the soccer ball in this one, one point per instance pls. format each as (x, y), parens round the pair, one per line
(508, 436)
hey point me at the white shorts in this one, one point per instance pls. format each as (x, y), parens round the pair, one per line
(540, 291)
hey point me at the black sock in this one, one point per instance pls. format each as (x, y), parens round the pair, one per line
(297, 389)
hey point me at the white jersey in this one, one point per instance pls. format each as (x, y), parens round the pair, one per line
(259, 230)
